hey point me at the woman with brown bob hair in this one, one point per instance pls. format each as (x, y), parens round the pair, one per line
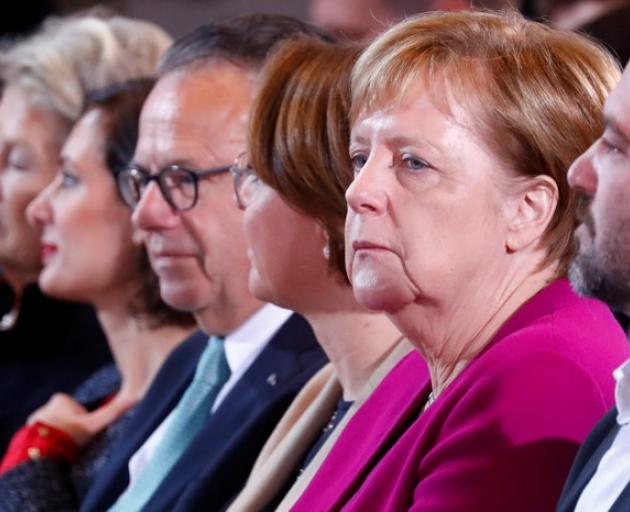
(459, 228)
(89, 255)
(291, 185)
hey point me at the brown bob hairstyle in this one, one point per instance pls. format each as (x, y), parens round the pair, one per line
(533, 95)
(299, 133)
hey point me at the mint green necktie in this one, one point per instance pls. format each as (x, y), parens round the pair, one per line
(187, 419)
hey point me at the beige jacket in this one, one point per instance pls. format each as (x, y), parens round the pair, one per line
(298, 429)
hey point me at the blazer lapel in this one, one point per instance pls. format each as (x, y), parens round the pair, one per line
(400, 350)
(161, 398)
(291, 439)
(587, 460)
(245, 418)
(622, 503)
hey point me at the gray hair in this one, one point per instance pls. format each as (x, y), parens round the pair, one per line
(69, 57)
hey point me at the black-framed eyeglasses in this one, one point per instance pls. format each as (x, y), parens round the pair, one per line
(179, 185)
(245, 179)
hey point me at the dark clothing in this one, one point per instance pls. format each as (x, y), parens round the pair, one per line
(54, 346)
(337, 416)
(586, 462)
(218, 461)
(54, 485)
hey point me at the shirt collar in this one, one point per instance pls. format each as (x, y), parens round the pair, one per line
(622, 393)
(248, 340)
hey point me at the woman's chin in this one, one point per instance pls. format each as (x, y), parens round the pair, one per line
(52, 288)
(380, 298)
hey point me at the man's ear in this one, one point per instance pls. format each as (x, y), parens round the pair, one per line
(535, 201)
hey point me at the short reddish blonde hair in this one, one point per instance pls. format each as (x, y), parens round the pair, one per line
(534, 94)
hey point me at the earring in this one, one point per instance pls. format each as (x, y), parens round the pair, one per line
(326, 252)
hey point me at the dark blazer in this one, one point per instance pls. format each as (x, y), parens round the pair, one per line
(54, 346)
(50, 484)
(586, 462)
(218, 461)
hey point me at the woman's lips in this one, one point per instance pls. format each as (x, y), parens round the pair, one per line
(48, 252)
(362, 245)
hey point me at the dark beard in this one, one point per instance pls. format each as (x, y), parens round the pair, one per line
(589, 279)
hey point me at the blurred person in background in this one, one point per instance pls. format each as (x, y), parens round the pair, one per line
(361, 20)
(605, 20)
(50, 345)
(89, 255)
(205, 418)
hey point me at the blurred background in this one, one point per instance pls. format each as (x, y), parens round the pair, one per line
(606, 20)
(180, 16)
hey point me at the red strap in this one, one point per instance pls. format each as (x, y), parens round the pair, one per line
(38, 440)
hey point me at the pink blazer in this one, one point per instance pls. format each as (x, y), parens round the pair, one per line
(501, 437)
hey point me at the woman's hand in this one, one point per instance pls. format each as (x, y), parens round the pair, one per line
(69, 416)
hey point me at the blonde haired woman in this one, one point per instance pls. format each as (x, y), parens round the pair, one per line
(459, 228)
(48, 345)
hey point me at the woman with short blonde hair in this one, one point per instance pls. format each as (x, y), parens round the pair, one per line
(459, 228)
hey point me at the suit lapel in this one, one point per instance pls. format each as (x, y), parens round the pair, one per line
(400, 350)
(622, 503)
(276, 467)
(162, 396)
(587, 460)
(243, 411)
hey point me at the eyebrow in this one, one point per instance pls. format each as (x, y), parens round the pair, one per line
(611, 124)
(399, 141)
(359, 139)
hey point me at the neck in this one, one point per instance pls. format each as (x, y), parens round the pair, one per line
(451, 334)
(138, 350)
(354, 339)
(574, 15)
(18, 280)
(228, 317)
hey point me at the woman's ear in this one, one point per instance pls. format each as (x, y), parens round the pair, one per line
(535, 202)
(321, 230)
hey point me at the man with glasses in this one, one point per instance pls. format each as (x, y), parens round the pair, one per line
(214, 403)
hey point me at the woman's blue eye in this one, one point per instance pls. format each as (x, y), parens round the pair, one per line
(68, 180)
(414, 163)
(609, 148)
(358, 161)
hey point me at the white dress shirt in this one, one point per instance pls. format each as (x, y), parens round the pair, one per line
(613, 472)
(242, 347)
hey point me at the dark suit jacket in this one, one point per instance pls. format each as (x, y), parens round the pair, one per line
(54, 346)
(586, 462)
(218, 461)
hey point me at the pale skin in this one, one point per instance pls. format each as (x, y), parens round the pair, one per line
(440, 234)
(355, 340)
(30, 139)
(601, 177)
(197, 118)
(84, 191)
(289, 269)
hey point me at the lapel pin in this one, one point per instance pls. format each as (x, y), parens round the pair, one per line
(272, 380)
